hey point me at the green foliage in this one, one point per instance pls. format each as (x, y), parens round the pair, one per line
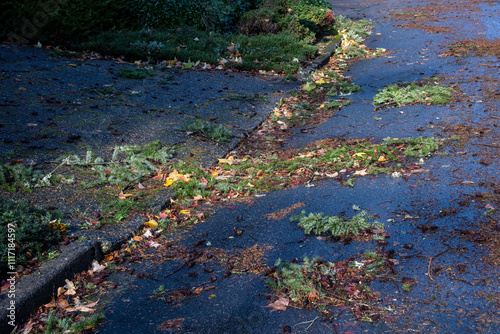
(406, 287)
(213, 15)
(135, 73)
(68, 326)
(56, 22)
(128, 163)
(119, 209)
(297, 279)
(358, 29)
(343, 87)
(305, 18)
(413, 93)
(30, 226)
(17, 176)
(419, 147)
(283, 53)
(336, 225)
(216, 132)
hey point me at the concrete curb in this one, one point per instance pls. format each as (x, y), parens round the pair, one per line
(321, 61)
(38, 288)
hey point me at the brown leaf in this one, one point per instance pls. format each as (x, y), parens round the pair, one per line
(313, 295)
(170, 324)
(280, 304)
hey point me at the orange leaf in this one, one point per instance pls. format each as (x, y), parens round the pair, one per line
(313, 295)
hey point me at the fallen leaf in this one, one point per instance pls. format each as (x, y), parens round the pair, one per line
(168, 183)
(229, 161)
(280, 304)
(71, 290)
(382, 159)
(359, 154)
(308, 87)
(138, 238)
(211, 296)
(197, 291)
(361, 172)
(147, 234)
(124, 196)
(151, 223)
(170, 324)
(197, 198)
(96, 267)
(184, 212)
(313, 295)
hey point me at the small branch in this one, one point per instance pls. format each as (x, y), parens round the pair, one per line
(494, 146)
(430, 262)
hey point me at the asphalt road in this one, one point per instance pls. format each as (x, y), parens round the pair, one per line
(453, 261)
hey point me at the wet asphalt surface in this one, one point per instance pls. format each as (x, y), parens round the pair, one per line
(452, 301)
(53, 106)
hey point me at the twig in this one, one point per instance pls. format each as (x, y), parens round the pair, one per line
(430, 262)
(494, 146)
(306, 322)
(181, 267)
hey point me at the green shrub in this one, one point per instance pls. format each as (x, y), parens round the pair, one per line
(302, 17)
(62, 21)
(213, 15)
(31, 228)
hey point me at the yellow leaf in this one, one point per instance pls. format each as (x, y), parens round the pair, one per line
(359, 154)
(137, 238)
(175, 175)
(320, 81)
(214, 173)
(382, 159)
(74, 65)
(211, 296)
(151, 224)
(361, 172)
(309, 87)
(168, 183)
(124, 196)
(229, 161)
(184, 212)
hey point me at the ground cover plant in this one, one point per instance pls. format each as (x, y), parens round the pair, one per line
(230, 35)
(209, 130)
(413, 93)
(320, 284)
(28, 232)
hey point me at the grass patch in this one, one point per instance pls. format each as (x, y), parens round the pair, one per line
(413, 93)
(28, 231)
(216, 132)
(135, 73)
